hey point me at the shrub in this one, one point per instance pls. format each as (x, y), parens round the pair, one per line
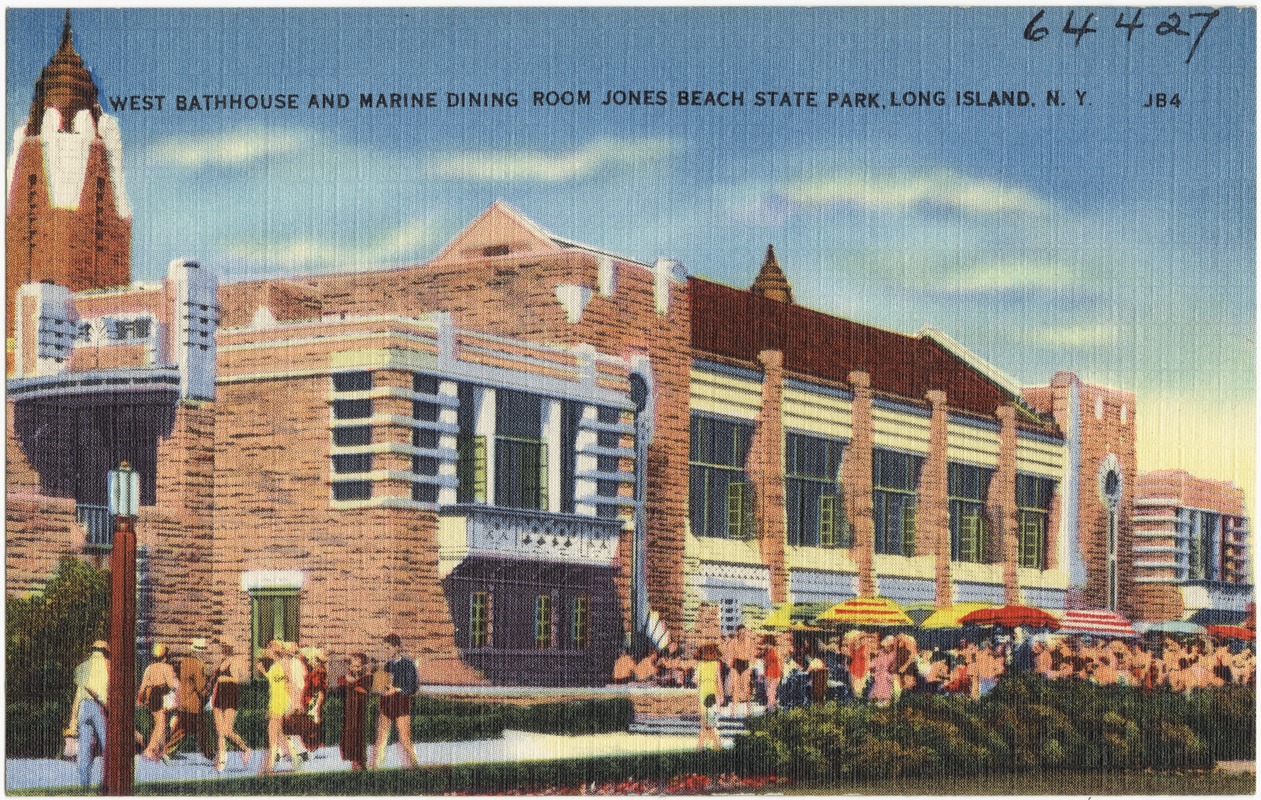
(1027, 723)
(46, 636)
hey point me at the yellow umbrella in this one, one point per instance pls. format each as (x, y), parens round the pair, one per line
(795, 616)
(949, 617)
(873, 611)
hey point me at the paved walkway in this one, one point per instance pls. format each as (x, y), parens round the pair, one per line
(29, 773)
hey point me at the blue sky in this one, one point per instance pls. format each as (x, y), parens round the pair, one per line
(1110, 239)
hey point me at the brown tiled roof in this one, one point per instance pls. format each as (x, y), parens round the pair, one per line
(737, 324)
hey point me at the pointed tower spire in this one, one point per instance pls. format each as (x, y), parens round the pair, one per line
(67, 35)
(65, 84)
(771, 282)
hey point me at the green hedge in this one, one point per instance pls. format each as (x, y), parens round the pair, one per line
(440, 720)
(1027, 723)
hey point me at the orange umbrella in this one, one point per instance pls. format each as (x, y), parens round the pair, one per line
(1011, 616)
(874, 611)
(1232, 632)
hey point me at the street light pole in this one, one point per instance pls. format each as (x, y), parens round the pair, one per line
(120, 745)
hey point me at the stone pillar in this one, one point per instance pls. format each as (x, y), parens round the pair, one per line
(856, 476)
(933, 511)
(1053, 521)
(766, 468)
(1001, 503)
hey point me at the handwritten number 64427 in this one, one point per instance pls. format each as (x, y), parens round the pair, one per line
(1170, 25)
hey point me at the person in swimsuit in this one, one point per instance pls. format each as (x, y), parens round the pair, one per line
(278, 683)
(225, 700)
(709, 694)
(156, 693)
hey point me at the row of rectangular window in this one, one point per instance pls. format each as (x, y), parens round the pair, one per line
(481, 632)
(520, 460)
(721, 499)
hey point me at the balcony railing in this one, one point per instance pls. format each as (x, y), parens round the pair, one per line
(517, 533)
(99, 524)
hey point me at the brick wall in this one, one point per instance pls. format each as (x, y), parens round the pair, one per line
(367, 572)
(514, 296)
(1101, 434)
(39, 530)
(856, 473)
(1002, 503)
(113, 356)
(766, 469)
(932, 515)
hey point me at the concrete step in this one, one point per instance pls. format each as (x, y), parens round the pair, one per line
(687, 725)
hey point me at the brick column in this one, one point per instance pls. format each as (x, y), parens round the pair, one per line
(766, 468)
(933, 511)
(856, 476)
(1002, 502)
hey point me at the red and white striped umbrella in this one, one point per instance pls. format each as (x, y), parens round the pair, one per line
(1096, 622)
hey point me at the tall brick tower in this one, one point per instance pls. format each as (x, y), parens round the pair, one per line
(67, 220)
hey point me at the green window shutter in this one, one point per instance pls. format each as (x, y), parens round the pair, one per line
(969, 538)
(541, 501)
(1032, 539)
(543, 622)
(736, 506)
(290, 604)
(827, 520)
(908, 529)
(478, 619)
(581, 627)
(471, 468)
(750, 523)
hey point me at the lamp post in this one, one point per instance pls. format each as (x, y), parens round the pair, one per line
(120, 747)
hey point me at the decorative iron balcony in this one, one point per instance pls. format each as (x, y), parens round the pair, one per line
(466, 530)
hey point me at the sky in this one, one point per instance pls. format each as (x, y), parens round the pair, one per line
(1103, 237)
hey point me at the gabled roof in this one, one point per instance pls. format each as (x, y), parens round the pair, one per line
(501, 224)
(738, 324)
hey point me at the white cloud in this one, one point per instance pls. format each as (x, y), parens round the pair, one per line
(1076, 336)
(235, 148)
(894, 193)
(997, 276)
(400, 243)
(502, 165)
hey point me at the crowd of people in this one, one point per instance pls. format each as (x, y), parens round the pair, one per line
(733, 676)
(176, 690)
(744, 670)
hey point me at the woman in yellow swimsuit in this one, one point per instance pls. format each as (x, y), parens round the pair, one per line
(278, 684)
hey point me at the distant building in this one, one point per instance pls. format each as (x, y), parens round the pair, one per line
(1191, 548)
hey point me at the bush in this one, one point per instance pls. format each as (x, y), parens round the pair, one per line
(570, 719)
(46, 636)
(1027, 723)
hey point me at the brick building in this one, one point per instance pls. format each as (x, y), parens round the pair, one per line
(1191, 548)
(523, 449)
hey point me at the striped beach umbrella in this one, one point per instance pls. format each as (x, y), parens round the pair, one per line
(866, 611)
(1096, 622)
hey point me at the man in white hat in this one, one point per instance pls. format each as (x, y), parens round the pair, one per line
(87, 711)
